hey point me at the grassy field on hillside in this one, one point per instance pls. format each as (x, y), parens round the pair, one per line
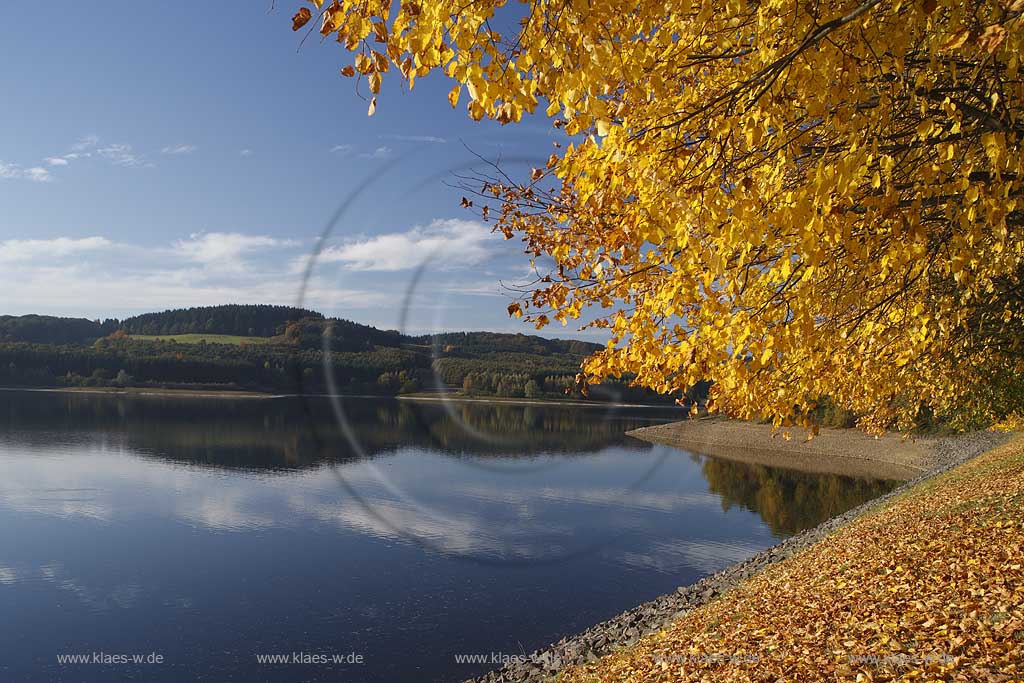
(200, 338)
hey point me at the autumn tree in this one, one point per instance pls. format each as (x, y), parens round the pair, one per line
(794, 199)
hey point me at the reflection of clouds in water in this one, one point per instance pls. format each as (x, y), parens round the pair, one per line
(461, 535)
(499, 517)
(464, 534)
(59, 502)
(706, 556)
(124, 595)
(641, 500)
(121, 596)
(104, 486)
(232, 510)
(7, 576)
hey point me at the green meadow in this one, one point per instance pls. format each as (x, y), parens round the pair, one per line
(202, 338)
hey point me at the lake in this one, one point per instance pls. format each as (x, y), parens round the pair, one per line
(391, 538)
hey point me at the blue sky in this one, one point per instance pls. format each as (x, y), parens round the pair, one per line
(157, 155)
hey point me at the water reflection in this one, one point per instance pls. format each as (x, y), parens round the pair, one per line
(210, 530)
(788, 501)
(294, 433)
(278, 437)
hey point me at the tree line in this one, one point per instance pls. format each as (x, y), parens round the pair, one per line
(307, 352)
(258, 320)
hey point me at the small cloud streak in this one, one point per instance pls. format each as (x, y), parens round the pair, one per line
(382, 152)
(86, 142)
(416, 138)
(36, 174)
(174, 150)
(121, 155)
(341, 149)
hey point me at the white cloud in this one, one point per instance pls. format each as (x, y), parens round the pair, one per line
(97, 276)
(446, 243)
(340, 149)
(416, 138)
(30, 250)
(121, 155)
(379, 153)
(225, 248)
(113, 287)
(36, 174)
(178, 149)
(86, 142)
(245, 153)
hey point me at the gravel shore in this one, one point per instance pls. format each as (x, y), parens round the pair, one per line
(942, 454)
(847, 452)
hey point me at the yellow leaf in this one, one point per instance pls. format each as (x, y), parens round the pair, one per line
(373, 107)
(957, 40)
(453, 95)
(363, 64)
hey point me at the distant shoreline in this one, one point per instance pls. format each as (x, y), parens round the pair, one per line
(149, 392)
(529, 401)
(146, 392)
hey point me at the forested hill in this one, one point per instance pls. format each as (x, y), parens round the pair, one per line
(284, 349)
(234, 319)
(46, 329)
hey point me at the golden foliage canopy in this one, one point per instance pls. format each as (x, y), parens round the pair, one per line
(795, 199)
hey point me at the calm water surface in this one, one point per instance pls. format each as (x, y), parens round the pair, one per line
(212, 531)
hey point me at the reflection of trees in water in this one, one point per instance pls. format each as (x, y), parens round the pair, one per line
(523, 430)
(788, 500)
(291, 433)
